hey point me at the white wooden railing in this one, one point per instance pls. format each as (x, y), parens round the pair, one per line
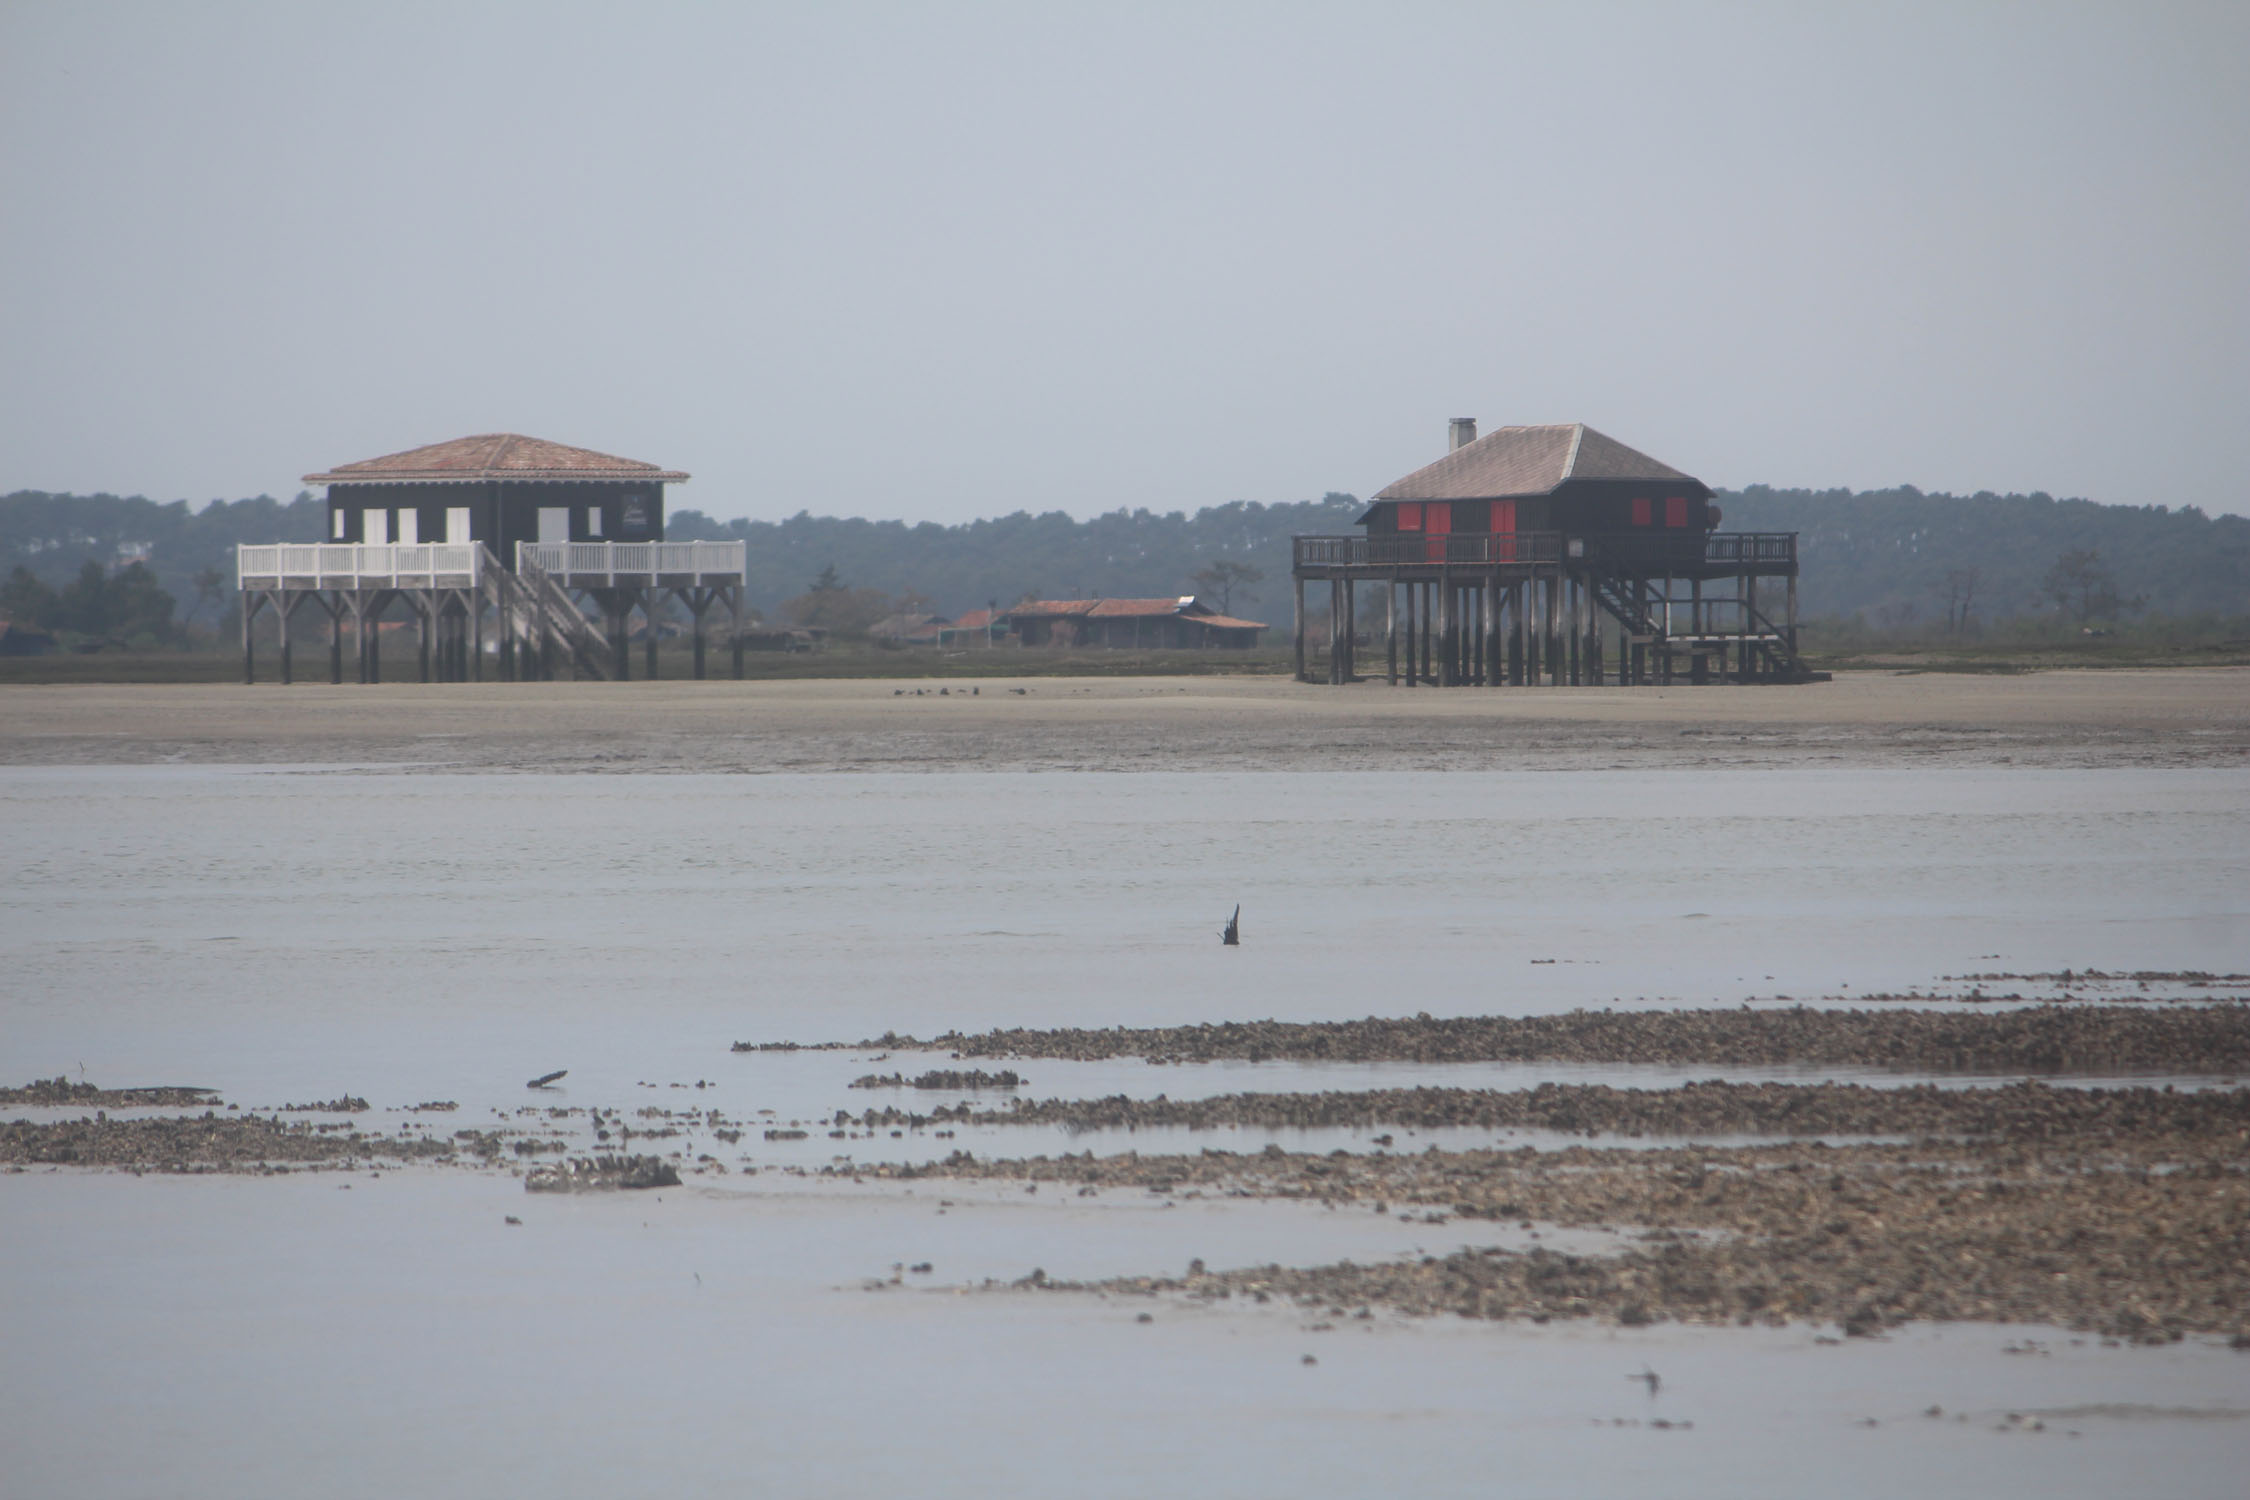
(461, 564)
(352, 564)
(580, 561)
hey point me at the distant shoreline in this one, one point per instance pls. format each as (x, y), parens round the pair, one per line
(2148, 718)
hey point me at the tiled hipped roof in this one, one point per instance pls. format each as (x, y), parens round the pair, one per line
(1185, 608)
(1511, 461)
(494, 455)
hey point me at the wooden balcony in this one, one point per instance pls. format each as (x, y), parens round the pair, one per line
(1657, 553)
(352, 565)
(596, 565)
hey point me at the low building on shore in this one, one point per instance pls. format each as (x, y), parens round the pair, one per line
(1182, 623)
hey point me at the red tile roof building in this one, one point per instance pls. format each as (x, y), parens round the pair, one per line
(1179, 623)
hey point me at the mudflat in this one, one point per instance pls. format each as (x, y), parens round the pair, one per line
(2160, 717)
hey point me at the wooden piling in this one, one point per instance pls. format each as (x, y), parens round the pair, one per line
(734, 608)
(1390, 630)
(1297, 622)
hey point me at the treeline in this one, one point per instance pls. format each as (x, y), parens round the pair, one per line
(1896, 559)
(1136, 554)
(1899, 558)
(131, 570)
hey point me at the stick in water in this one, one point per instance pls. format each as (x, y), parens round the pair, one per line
(546, 1078)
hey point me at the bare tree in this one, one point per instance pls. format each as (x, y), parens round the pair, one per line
(1222, 577)
(2081, 585)
(1960, 591)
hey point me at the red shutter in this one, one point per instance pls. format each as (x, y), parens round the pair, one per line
(1675, 510)
(1640, 510)
(1437, 521)
(1410, 515)
(1503, 515)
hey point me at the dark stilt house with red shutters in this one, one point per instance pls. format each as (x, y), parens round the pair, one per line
(1502, 563)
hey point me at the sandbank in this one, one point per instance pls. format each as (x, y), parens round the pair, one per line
(2159, 717)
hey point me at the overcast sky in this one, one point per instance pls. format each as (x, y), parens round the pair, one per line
(944, 261)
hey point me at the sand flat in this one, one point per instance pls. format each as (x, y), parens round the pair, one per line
(2170, 717)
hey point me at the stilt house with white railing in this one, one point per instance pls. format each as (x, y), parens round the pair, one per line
(540, 551)
(1553, 556)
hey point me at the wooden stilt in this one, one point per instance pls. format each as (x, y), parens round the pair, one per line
(1572, 665)
(1493, 675)
(1351, 630)
(249, 652)
(1515, 634)
(734, 608)
(1390, 630)
(1749, 608)
(649, 598)
(1297, 623)
(283, 608)
(1412, 674)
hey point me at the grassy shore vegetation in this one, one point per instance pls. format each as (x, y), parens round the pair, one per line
(1829, 645)
(206, 661)
(2026, 645)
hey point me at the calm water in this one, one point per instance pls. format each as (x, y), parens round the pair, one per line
(292, 935)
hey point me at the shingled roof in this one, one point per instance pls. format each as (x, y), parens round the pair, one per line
(1510, 461)
(494, 455)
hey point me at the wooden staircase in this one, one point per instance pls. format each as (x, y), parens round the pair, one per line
(543, 621)
(1762, 652)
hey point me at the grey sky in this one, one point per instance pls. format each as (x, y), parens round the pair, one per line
(947, 261)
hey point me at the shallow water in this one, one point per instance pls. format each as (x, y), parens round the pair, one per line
(261, 931)
(294, 935)
(235, 1336)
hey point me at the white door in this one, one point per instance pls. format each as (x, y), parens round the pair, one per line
(457, 525)
(554, 523)
(408, 527)
(375, 527)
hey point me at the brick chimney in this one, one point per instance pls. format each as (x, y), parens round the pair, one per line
(1462, 431)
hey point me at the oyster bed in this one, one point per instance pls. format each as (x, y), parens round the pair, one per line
(2047, 1038)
